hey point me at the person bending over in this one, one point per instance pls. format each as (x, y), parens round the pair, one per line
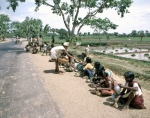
(56, 51)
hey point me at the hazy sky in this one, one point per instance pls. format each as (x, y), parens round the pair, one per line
(138, 18)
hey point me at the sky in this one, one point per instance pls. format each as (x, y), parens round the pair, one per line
(138, 18)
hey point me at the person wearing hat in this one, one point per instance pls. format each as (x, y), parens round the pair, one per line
(56, 51)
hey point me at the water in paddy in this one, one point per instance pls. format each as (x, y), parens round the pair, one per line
(139, 54)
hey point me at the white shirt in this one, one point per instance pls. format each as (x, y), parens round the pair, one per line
(55, 51)
(45, 47)
(139, 91)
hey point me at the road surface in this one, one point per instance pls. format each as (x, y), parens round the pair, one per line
(22, 94)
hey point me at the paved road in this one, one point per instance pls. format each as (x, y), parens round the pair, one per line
(22, 95)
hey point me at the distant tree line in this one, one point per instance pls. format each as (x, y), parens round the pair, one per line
(31, 27)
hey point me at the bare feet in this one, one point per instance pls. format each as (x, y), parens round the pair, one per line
(59, 72)
(122, 108)
(94, 92)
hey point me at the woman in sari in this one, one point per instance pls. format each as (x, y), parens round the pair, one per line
(106, 85)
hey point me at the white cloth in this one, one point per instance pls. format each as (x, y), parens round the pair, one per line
(139, 91)
(55, 51)
(25, 49)
(45, 47)
(87, 49)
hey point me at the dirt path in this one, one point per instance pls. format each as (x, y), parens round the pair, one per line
(72, 95)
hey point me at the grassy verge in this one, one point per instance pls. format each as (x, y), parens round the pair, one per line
(120, 65)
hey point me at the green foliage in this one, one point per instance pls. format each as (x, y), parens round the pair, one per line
(132, 55)
(93, 44)
(146, 55)
(126, 50)
(71, 11)
(4, 26)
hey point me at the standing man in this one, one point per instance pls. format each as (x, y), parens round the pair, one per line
(56, 51)
(40, 41)
(87, 49)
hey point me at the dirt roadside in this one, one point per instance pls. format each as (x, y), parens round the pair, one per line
(72, 95)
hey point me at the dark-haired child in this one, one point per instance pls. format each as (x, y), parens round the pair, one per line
(133, 97)
(95, 79)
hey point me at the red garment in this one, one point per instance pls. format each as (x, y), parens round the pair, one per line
(108, 92)
(138, 101)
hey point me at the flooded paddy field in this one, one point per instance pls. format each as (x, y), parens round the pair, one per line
(127, 52)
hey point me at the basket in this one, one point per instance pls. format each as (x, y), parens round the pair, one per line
(62, 60)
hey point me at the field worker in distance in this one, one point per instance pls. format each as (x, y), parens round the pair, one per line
(133, 97)
(56, 51)
(87, 49)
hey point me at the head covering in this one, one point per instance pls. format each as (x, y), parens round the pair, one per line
(66, 44)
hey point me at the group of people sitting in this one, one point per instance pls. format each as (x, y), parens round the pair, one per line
(101, 79)
(35, 43)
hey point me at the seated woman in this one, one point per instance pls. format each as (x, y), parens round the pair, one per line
(133, 97)
(88, 70)
(81, 65)
(106, 86)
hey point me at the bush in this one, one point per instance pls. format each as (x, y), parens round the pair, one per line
(132, 55)
(146, 55)
(93, 44)
(126, 50)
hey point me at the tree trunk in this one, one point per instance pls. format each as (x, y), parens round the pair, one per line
(141, 39)
(99, 39)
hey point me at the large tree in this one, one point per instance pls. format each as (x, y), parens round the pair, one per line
(100, 25)
(141, 34)
(4, 26)
(134, 33)
(46, 29)
(70, 11)
(16, 28)
(32, 27)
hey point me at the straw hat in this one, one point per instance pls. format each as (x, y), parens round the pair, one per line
(66, 44)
